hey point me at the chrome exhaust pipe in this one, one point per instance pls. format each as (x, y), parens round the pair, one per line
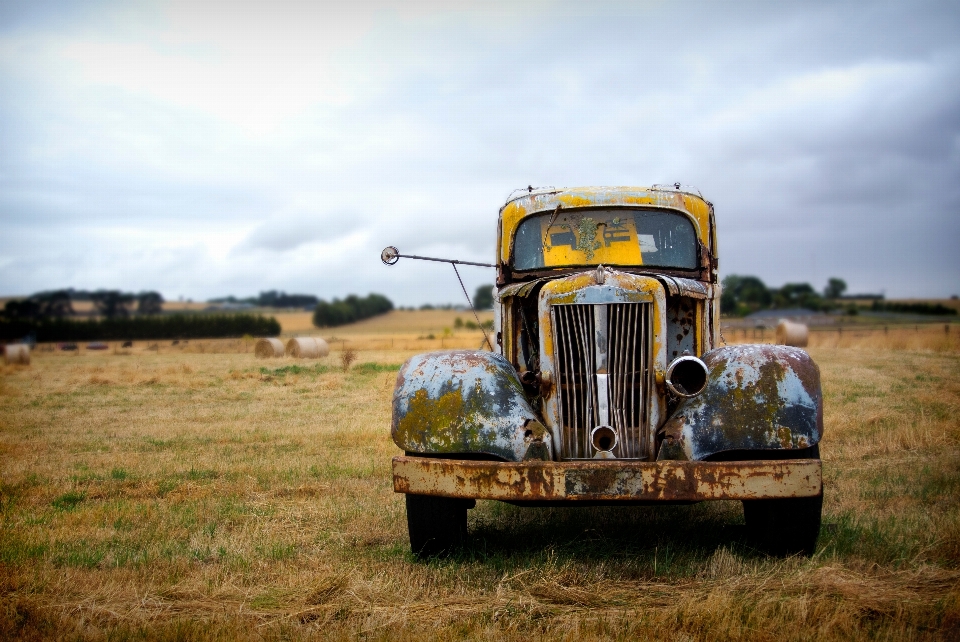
(687, 376)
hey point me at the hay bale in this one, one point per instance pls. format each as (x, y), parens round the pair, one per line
(792, 334)
(307, 348)
(17, 353)
(267, 348)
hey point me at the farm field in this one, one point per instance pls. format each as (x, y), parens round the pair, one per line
(397, 325)
(195, 492)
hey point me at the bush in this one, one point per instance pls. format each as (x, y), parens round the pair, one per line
(914, 308)
(173, 326)
(743, 295)
(351, 309)
(483, 297)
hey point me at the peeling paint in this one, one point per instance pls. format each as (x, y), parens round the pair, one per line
(464, 402)
(608, 480)
(682, 322)
(598, 287)
(758, 397)
(763, 398)
(515, 210)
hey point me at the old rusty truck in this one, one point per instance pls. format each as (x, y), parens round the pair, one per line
(608, 380)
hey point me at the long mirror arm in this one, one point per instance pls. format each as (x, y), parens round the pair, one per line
(391, 255)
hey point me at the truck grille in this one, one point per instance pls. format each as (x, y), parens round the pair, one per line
(603, 373)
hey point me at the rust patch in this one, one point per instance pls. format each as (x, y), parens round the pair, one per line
(464, 402)
(784, 435)
(672, 446)
(600, 480)
(758, 397)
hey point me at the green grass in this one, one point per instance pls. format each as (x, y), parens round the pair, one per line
(371, 368)
(316, 369)
(69, 500)
(183, 501)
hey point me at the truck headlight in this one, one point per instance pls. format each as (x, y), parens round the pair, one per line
(686, 376)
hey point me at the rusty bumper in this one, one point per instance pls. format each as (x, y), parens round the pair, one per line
(607, 480)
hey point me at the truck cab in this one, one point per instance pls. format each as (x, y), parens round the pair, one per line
(608, 381)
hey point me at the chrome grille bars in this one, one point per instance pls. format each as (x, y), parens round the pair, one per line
(603, 352)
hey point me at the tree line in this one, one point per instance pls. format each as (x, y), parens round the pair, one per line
(352, 308)
(170, 326)
(58, 304)
(273, 299)
(743, 295)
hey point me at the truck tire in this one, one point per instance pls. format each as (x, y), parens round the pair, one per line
(784, 527)
(437, 525)
(788, 526)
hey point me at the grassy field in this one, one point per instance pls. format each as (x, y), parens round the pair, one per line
(194, 492)
(403, 329)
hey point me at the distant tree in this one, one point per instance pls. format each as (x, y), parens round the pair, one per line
(43, 305)
(835, 288)
(351, 309)
(21, 309)
(54, 304)
(274, 299)
(797, 295)
(167, 326)
(149, 303)
(744, 294)
(483, 297)
(252, 300)
(913, 308)
(78, 295)
(112, 303)
(268, 299)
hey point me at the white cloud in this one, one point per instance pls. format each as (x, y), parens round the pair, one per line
(209, 149)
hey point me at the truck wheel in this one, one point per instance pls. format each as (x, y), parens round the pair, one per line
(788, 526)
(436, 525)
(784, 527)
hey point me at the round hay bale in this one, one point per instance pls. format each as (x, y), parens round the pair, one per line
(307, 348)
(267, 348)
(792, 334)
(17, 353)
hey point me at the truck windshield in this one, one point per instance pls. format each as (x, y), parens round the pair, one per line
(615, 236)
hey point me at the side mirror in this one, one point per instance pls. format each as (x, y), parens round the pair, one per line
(390, 255)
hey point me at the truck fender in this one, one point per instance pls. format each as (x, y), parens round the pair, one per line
(757, 397)
(465, 402)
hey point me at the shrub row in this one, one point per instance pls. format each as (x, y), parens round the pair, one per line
(351, 309)
(173, 326)
(913, 308)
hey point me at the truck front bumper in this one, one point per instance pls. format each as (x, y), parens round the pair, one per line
(617, 480)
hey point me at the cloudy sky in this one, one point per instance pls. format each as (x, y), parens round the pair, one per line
(205, 149)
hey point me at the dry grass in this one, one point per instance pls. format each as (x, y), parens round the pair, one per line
(347, 357)
(416, 330)
(398, 323)
(202, 494)
(933, 337)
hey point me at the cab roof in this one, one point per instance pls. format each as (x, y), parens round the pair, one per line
(537, 201)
